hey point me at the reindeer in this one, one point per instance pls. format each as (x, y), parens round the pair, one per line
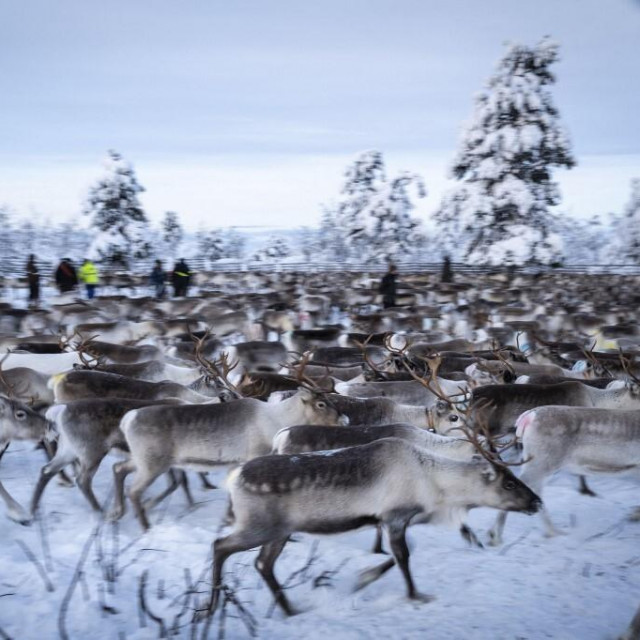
(306, 438)
(580, 440)
(86, 431)
(203, 436)
(389, 482)
(18, 422)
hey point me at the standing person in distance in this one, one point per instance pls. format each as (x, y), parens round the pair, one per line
(66, 277)
(157, 279)
(88, 273)
(33, 279)
(388, 287)
(180, 278)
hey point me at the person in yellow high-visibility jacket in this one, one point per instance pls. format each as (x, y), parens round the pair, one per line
(88, 273)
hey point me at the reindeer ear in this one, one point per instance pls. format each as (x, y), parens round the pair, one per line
(306, 395)
(489, 473)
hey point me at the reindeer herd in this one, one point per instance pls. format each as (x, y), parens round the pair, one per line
(468, 394)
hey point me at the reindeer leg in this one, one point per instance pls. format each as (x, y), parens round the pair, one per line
(368, 576)
(264, 564)
(222, 549)
(4, 448)
(51, 448)
(14, 510)
(397, 540)
(177, 478)
(59, 462)
(377, 544)
(120, 471)
(142, 480)
(85, 480)
(205, 481)
(495, 533)
(469, 535)
(635, 515)
(584, 489)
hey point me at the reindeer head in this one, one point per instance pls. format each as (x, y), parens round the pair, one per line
(20, 422)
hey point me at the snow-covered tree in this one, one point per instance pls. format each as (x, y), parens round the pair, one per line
(274, 248)
(234, 243)
(331, 238)
(172, 233)
(117, 216)
(211, 245)
(630, 225)
(375, 213)
(500, 208)
(6, 244)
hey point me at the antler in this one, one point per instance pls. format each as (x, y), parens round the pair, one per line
(626, 366)
(219, 369)
(492, 452)
(593, 360)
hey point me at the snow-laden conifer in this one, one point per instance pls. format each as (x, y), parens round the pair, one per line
(117, 216)
(500, 208)
(375, 214)
(630, 226)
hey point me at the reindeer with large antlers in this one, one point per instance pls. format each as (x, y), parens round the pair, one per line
(389, 482)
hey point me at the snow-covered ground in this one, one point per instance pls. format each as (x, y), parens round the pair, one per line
(585, 584)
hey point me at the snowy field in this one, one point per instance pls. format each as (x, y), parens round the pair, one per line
(87, 584)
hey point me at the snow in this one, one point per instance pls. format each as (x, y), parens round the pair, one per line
(585, 584)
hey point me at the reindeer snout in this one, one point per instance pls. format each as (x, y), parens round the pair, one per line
(343, 420)
(534, 506)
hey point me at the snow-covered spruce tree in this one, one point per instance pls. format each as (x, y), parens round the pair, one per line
(7, 249)
(211, 245)
(630, 226)
(501, 204)
(117, 216)
(234, 244)
(274, 249)
(172, 233)
(374, 214)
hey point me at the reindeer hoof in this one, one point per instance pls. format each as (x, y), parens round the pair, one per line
(114, 514)
(494, 539)
(552, 533)
(21, 517)
(635, 515)
(423, 598)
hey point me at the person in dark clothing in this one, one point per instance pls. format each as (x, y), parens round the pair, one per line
(66, 277)
(447, 272)
(157, 279)
(33, 278)
(388, 287)
(180, 278)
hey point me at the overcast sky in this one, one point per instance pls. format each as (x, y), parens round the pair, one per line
(246, 113)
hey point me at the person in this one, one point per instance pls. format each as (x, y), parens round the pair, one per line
(88, 273)
(33, 278)
(157, 279)
(446, 274)
(388, 287)
(180, 278)
(66, 277)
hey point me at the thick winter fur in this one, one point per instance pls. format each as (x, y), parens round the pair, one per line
(406, 392)
(500, 405)
(579, 440)
(86, 431)
(18, 422)
(390, 482)
(199, 436)
(79, 384)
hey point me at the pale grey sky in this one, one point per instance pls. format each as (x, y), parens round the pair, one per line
(247, 112)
